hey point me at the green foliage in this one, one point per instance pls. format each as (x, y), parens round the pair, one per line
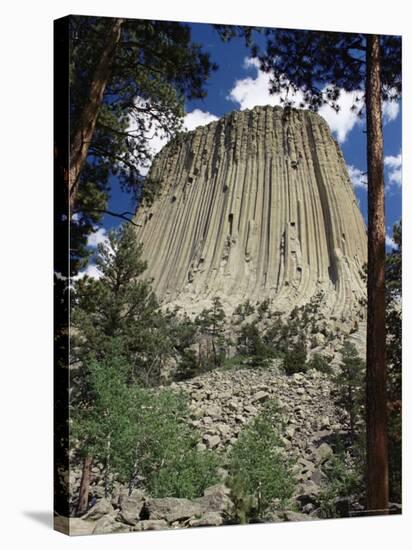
(155, 68)
(250, 344)
(299, 329)
(319, 363)
(294, 361)
(238, 361)
(263, 309)
(320, 63)
(244, 505)
(141, 435)
(165, 453)
(211, 323)
(344, 480)
(257, 467)
(244, 310)
(120, 305)
(351, 384)
(393, 279)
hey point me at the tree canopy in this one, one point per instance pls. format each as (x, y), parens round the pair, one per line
(153, 69)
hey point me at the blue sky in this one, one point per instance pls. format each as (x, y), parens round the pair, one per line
(238, 84)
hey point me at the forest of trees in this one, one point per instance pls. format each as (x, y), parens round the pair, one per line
(124, 346)
(128, 80)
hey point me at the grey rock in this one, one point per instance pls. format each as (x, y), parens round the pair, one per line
(108, 524)
(100, 509)
(211, 441)
(260, 397)
(172, 509)
(323, 453)
(208, 519)
(289, 515)
(131, 507)
(151, 525)
(216, 499)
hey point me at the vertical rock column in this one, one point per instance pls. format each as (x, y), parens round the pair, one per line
(256, 205)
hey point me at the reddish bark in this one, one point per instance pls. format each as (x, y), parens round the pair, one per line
(376, 401)
(85, 486)
(88, 116)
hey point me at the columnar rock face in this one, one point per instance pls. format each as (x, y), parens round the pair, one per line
(256, 205)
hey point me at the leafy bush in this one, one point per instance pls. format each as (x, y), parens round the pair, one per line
(263, 308)
(163, 450)
(320, 364)
(244, 310)
(294, 360)
(141, 435)
(344, 481)
(250, 344)
(257, 467)
(351, 383)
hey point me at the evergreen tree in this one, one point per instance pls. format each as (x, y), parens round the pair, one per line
(211, 323)
(129, 79)
(350, 382)
(320, 64)
(120, 305)
(250, 343)
(394, 357)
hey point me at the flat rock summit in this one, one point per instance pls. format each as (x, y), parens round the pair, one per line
(257, 205)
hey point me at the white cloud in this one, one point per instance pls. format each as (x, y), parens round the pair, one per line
(342, 122)
(393, 166)
(359, 179)
(390, 243)
(98, 237)
(91, 271)
(390, 110)
(198, 118)
(249, 92)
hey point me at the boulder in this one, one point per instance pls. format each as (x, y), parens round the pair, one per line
(207, 520)
(214, 411)
(131, 507)
(289, 515)
(100, 509)
(211, 441)
(323, 453)
(172, 509)
(108, 524)
(151, 525)
(216, 499)
(260, 397)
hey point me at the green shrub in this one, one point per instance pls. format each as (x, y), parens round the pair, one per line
(320, 364)
(344, 480)
(257, 467)
(244, 310)
(250, 344)
(294, 361)
(238, 361)
(164, 453)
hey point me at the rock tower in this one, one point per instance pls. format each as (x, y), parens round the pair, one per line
(257, 205)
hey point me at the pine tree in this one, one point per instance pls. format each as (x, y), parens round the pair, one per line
(120, 307)
(211, 322)
(351, 384)
(394, 357)
(129, 79)
(320, 64)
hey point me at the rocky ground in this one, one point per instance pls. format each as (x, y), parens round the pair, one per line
(221, 404)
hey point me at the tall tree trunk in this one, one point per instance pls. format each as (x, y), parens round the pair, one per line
(87, 119)
(376, 413)
(85, 486)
